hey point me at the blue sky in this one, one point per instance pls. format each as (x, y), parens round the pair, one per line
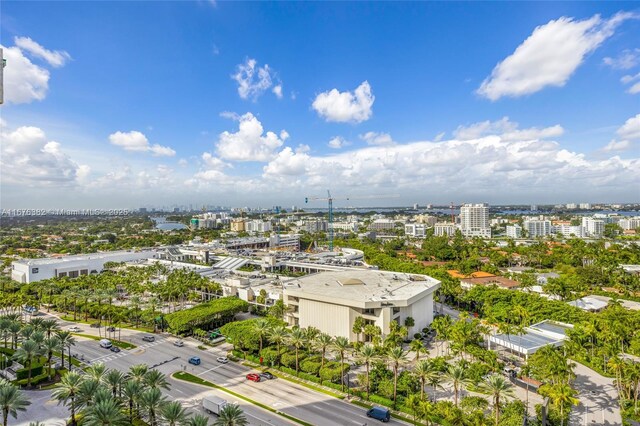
(155, 103)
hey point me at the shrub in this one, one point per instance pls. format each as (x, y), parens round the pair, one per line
(205, 315)
(311, 365)
(35, 380)
(379, 400)
(23, 373)
(288, 360)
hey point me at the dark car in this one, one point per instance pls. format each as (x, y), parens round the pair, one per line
(112, 329)
(114, 349)
(379, 413)
(267, 375)
(149, 338)
(253, 377)
(95, 325)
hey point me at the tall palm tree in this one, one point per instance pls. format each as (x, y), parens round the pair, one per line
(417, 346)
(425, 371)
(340, 345)
(278, 335)
(66, 341)
(137, 372)
(296, 339)
(107, 412)
(67, 391)
(198, 420)
(323, 341)
(114, 379)
(261, 328)
(96, 371)
(396, 356)
(50, 345)
(88, 392)
(231, 415)
(12, 400)
(14, 329)
(366, 355)
(49, 326)
(131, 391)
(26, 354)
(457, 376)
(153, 379)
(498, 387)
(151, 400)
(561, 395)
(173, 414)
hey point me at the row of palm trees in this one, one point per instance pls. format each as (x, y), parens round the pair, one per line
(102, 397)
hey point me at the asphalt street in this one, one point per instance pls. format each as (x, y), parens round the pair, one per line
(295, 400)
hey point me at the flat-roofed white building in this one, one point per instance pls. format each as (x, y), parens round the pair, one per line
(331, 301)
(415, 230)
(32, 270)
(474, 220)
(440, 229)
(514, 231)
(536, 336)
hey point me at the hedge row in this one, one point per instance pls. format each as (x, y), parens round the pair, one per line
(35, 380)
(206, 314)
(23, 373)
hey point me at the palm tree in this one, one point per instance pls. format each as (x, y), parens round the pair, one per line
(15, 328)
(231, 415)
(12, 400)
(67, 391)
(153, 379)
(151, 400)
(323, 341)
(88, 392)
(25, 354)
(114, 379)
(367, 354)
(131, 392)
(341, 344)
(66, 341)
(49, 326)
(137, 372)
(425, 372)
(96, 371)
(417, 346)
(49, 346)
(105, 413)
(278, 335)
(396, 356)
(261, 328)
(413, 403)
(498, 387)
(457, 375)
(560, 395)
(296, 339)
(173, 414)
(198, 420)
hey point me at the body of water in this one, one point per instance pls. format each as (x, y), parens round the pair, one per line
(164, 225)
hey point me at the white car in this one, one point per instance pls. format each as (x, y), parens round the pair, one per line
(222, 359)
(178, 343)
(75, 329)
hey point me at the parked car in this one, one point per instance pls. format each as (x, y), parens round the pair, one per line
(253, 377)
(195, 360)
(178, 343)
(148, 338)
(379, 413)
(267, 375)
(75, 329)
(115, 349)
(95, 325)
(222, 359)
(111, 329)
(105, 343)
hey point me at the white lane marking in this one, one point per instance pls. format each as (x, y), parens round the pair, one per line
(211, 369)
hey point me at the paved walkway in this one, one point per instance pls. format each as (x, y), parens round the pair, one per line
(598, 399)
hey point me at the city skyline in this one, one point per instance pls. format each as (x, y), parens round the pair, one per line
(265, 104)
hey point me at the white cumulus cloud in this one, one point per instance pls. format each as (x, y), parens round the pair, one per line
(337, 142)
(254, 80)
(634, 88)
(507, 130)
(345, 107)
(55, 58)
(249, 143)
(136, 141)
(374, 138)
(28, 158)
(615, 145)
(549, 56)
(626, 60)
(630, 129)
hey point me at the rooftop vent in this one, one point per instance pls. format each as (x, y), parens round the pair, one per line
(351, 281)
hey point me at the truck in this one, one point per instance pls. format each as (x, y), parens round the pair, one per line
(213, 404)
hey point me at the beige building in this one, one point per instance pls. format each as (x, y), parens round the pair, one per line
(237, 225)
(331, 301)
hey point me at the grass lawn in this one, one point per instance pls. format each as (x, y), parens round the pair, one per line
(128, 326)
(197, 380)
(118, 343)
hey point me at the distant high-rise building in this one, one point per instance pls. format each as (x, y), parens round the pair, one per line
(474, 220)
(537, 228)
(593, 227)
(571, 206)
(142, 210)
(585, 206)
(534, 208)
(514, 231)
(415, 206)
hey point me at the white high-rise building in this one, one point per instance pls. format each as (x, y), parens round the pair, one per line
(593, 227)
(537, 228)
(415, 230)
(474, 220)
(569, 230)
(630, 223)
(514, 231)
(585, 206)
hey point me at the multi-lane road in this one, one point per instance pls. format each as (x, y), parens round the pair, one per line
(287, 397)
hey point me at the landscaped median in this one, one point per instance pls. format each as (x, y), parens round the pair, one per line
(187, 377)
(118, 343)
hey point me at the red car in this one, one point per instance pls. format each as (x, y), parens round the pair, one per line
(253, 377)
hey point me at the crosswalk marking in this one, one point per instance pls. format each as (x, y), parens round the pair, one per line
(124, 352)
